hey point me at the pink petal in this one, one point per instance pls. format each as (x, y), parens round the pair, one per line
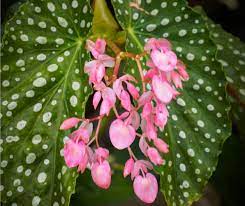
(162, 90)
(121, 135)
(101, 174)
(102, 153)
(147, 110)
(96, 99)
(83, 163)
(100, 45)
(69, 123)
(73, 153)
(125, 100)
(117, 87)
(176, 79)
(146, 188)
(154, 156)
(160, 59)
(143, 146)
(150, 44)
(109, 95)
(134, 119)
(105, 107)
(161, 145)
(100, 73)
(145, 98)
(106, 60)
(161, 117)
(128, 167)
(132, 90)
(150, 130)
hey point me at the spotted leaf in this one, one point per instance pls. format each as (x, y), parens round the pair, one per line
(231, 54)
(43, 53)
(198, 123)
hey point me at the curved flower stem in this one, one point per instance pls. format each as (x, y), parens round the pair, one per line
(91, 141)
(97, 132)
(115, 111)
(131, 154)
(137, 59)
(117, 65)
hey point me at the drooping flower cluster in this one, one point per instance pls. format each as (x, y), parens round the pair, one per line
(142, 110)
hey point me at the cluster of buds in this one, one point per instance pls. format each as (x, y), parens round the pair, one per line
(142, 110)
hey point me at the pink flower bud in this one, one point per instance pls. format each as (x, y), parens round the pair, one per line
(73, 153)
(154, 156)
(161, 117)
(143, 146)
(69, 123)
(128, 167)
(161, 145)
(102, 153)
(146, 188)
(176, 79)
(121, 135)
(162, 90)
(101, 174)
(83, 163)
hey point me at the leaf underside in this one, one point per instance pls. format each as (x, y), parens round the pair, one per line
(198, 123)
(43, 53)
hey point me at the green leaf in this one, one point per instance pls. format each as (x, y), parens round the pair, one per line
(198, 123)
(43, 83)
(103, 21)
(231, 54)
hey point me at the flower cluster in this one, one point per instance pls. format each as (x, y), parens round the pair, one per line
(142, 110)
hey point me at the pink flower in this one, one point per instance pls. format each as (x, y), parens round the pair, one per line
(161, 145)
(163, 91)
(164, 61)
(154, 156)
(101, 154)
(140, 165)
(157, 44)
(69, 123)
(128, 168)
(83, 132)
(96, 48)
(145, 98)
(108, 96)
(96, 68)
(83, 163)
(121, 135)
(101, 174)
(161, 116)
(182, 70)
(146, 188)
(176, 79)
(143, 146)
(73, 153)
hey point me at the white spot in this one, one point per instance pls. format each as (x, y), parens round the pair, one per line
(41, 40)
(190, 56)
(151, 27)
(24, 37)
(135, 16)
(12, 105)
(85, 9)
(41, 177)
(182, 167)
(39, 82)
(30, 158)
(47, 116)
(52, 67)
(75, 86)
(62, 22)
(36, 139)
(73, 100)
(182, 134)
(35, 201)
(74, 4)
(37, 107)
(41, 57)
(164, 4)
(182, 32)
(154, 12)
(42, 24)
(181, 102)
(21, 125)
(59, 41)
(210, 107)
(20, 63)
(200, 123)
(82, 24)
(51, 6)
(191, 152)
(30, 21)
(30, 93)
(164, 21)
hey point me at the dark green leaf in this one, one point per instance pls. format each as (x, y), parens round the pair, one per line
(198, 123)
(43, 83)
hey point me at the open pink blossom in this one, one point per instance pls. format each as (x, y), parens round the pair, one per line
(69, 123)
(121, 135)
(73, 153)
(128, 168)
(146, 188)
(101, 174)
(164, 61)
(83, 132)
(96, 48)
(163, 91)
(96, 68)
(154, 156)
